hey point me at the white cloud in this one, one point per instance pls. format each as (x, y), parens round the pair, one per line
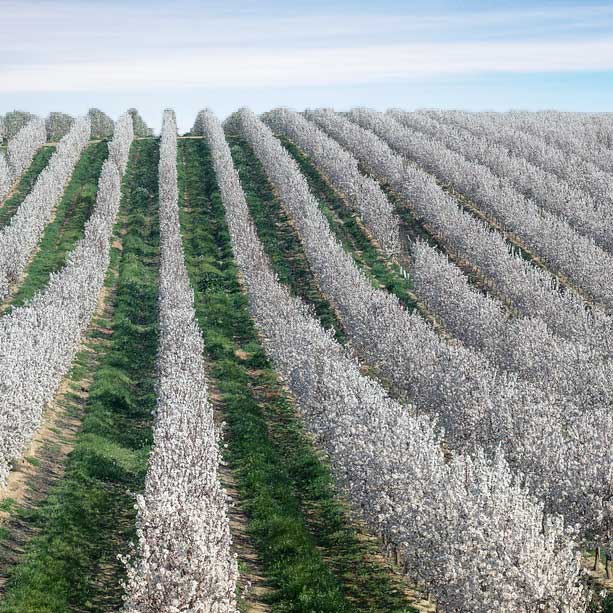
(63, 46)
(223, 67)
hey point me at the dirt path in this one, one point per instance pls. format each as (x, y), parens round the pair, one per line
(252, 584)
(598, 576)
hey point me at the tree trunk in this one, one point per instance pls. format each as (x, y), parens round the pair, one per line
(596, 558)
(606, 567)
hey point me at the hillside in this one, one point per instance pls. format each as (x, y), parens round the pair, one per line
(307, 362)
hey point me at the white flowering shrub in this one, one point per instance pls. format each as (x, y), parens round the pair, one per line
(118, 152)
(472, 400)
(589, 267)
(22, 147)
(479, 406)
(184, 560)
(341, 167)
(523, 345)
(6, 177)
(553, 194)
(102, 125)
(140, 127)
(465, 526)
(583, 141)
(58, 125)
(38, 341)
(20, 237)
(20, 151)
(14, 121)
(527, 288)
(551, 452)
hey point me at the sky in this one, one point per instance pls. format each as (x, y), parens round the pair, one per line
(71, 55)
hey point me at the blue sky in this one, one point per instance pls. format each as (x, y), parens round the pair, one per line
(68, 55)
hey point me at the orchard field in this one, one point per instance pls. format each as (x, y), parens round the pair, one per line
(315, 362)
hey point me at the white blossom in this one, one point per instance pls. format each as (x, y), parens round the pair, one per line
(554, 451)
(342, 169)
(38, 341)
(184, 560)
(475, 403)
(561, 198)
(466, 527)
(529, 289)
(479, 406)
(20, 237)
(565, 251)
(6, 176)
(576, 145)
(20, 151)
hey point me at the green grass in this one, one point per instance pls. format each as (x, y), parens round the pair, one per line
(10, 206)
(310, 551)
(278, 236)
(68, 225)
(89, 517)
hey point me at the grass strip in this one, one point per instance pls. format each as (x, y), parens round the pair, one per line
(311, 551)
(89, 518)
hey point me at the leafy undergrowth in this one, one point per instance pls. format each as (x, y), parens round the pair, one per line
(347, 227)
(39, 161)
(68, 225)
(313, 555)
(277, 234)
(89, 517)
